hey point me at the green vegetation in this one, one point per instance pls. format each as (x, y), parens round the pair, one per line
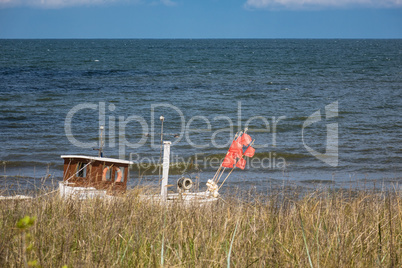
(320, 229)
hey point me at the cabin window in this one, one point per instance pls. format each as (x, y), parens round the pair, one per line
(113, 173)
(81, 170)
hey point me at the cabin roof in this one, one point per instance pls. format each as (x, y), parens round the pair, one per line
(100, 159)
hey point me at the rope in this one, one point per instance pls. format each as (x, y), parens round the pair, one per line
(220, 176)
(217, 172)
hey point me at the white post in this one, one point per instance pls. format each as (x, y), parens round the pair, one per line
(165, 172)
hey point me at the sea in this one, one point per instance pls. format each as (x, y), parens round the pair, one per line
(321, 113)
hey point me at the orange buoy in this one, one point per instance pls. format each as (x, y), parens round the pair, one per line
(119, 173)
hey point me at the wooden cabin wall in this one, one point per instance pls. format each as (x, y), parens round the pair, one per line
(94, 173)
(70, 172)
(70, 167)
(125, 176)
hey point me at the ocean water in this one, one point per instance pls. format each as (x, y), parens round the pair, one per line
(320, 111)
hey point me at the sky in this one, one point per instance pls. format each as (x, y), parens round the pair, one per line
(201, 19)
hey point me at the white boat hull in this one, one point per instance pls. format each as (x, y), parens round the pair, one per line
(186, 198)
(68, 191)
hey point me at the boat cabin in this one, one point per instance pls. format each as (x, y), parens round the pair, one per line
(101, 173)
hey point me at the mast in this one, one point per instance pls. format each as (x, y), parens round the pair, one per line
(101, 142)
(160, 155)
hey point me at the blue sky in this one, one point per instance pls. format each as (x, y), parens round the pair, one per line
(201, 19)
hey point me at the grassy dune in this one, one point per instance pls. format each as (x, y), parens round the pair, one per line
(321, 229)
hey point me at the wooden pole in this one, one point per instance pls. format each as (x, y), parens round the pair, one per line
(220, 175)
(226, 178)
(165, 174)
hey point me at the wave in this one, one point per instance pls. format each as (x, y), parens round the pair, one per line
(260, 162)
(271, 154)
(317, 181)
(13, 118)
(4, 164)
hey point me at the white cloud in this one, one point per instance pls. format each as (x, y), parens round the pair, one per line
(59, 3)
(69, 3)
(303, 4)
(168, 2)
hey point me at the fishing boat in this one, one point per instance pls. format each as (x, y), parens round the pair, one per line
(184, 186)
(89, 177)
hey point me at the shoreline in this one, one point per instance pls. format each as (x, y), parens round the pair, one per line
(21, 185)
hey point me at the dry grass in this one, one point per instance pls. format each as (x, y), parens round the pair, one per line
(321, 229)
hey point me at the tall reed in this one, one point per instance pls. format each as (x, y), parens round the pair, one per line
(318, 229)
